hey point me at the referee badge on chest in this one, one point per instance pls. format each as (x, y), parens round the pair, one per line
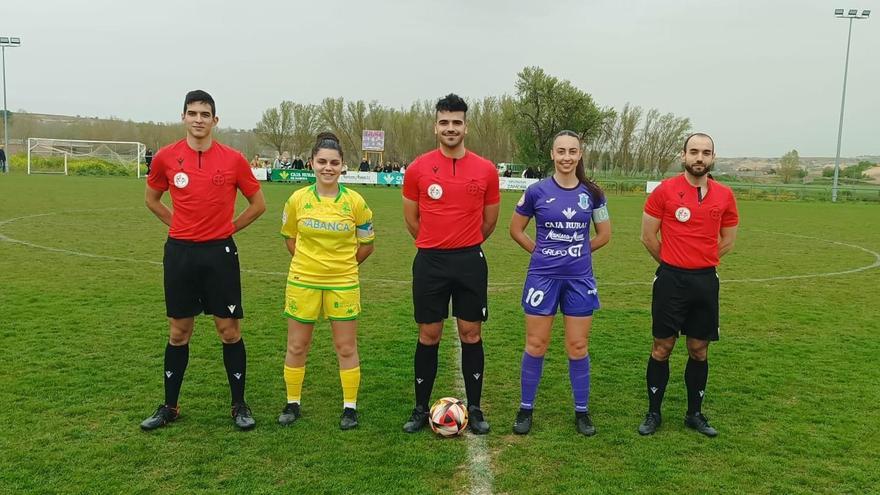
(683, 214)
(181, 180)
(435, 191)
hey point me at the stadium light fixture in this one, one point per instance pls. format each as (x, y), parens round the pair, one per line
(852, 14)
(6, 42)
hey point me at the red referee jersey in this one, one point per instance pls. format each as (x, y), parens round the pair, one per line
(203, 186)
(451, 194)
(689, 227)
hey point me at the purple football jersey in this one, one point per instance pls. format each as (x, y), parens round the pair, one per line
(562, 221)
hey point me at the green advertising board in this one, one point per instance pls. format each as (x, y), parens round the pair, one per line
(281, 175)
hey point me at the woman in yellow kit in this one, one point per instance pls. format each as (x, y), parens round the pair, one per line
(328, 229)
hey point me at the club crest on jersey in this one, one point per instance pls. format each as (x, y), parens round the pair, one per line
(181, 180)
(435, 191)
(584, 201)
(218, 179)
(683, 214)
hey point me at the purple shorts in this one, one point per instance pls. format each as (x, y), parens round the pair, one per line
(575, 297)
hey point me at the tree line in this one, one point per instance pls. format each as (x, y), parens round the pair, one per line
(515, 128)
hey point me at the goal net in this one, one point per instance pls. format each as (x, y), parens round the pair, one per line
(82, 157)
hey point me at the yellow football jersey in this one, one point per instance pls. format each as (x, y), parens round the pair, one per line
(328, 232)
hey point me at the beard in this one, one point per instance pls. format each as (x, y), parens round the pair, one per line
(455, 140)
(697, 173)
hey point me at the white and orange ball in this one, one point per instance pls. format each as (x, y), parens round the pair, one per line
(449, 417)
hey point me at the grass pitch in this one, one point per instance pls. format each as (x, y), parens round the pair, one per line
(792, 387)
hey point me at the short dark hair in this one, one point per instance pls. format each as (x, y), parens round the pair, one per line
(197, 95)
(327, 141)
(452, 103)
(701, 134)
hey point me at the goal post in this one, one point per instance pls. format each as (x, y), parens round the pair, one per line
(85, 157)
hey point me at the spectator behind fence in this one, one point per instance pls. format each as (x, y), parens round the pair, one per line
(3, 161)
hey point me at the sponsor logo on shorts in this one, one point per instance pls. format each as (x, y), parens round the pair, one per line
(181, 180)
(231, 308)
(237, 376)
(168, 374)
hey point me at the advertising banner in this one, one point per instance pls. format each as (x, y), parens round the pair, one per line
(261, 173)
(358, 178)
(282, 175)
(373, 140)
(390, 178)
(515, 183)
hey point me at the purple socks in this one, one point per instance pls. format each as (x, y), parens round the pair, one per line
(579, 374)
(529, 379)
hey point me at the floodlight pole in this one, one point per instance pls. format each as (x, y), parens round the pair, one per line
(851, 15)
(10, 42)
(5, 116)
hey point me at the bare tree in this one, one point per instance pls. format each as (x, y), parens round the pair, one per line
(275, 129)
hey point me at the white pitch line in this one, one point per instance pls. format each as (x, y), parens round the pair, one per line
(480, 465)
(71, 252)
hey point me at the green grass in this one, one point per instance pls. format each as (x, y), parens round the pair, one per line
(792, 388)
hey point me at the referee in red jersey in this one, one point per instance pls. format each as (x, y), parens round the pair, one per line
(201, 268)
(450, 204)
(697, 221)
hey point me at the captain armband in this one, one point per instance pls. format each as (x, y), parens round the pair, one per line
(365, 231)
(600, 214)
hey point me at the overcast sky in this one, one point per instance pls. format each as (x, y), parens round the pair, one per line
(761, 79)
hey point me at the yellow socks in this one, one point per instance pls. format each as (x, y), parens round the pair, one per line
(293, 378)
(351, 381)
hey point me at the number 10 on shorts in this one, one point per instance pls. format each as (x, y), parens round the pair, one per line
(534, 297)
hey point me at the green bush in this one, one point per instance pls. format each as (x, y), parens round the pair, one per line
(75, 166)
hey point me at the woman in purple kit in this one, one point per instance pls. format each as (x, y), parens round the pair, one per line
(560, 273)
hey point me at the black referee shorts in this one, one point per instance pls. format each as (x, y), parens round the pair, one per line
(202, 277)
(441, 274)
(686, 301)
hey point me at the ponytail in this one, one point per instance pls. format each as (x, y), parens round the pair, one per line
(595, 191)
